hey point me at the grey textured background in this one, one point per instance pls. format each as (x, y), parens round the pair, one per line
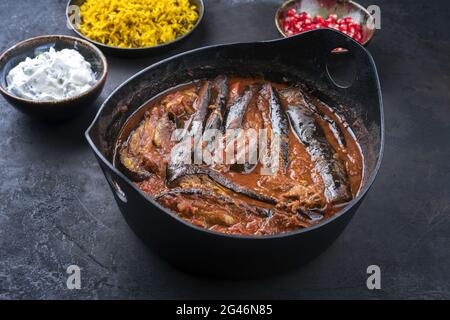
(56, 208)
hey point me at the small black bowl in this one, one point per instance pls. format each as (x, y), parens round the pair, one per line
(53, 109)
(133, 52)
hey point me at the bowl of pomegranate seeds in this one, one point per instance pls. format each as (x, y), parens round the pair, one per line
(297, 16)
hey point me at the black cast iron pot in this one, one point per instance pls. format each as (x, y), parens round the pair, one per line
(305, 58)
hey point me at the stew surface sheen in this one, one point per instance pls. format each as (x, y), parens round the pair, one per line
(318, 162)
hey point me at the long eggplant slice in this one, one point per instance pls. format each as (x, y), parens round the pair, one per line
(235, 117)
(237, 110)
(294, 95)
(310, 134)
(219, 178)
(201, 106)
(215, 119)
(193, 128)
(280, 124)
(220, 199)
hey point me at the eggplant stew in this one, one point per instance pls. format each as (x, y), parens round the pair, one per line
(242, 156)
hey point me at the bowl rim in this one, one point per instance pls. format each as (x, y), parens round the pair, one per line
(159, 46)
(48, 38)
(289, 2)
(349, 205)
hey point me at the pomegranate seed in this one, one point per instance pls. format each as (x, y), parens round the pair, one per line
(318, 19)
(291, 12)
(297, 22)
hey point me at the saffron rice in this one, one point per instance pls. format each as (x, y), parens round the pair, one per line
(136, 23)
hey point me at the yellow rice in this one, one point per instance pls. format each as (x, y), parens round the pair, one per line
(136, 23)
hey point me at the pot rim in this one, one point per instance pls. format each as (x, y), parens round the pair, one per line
(362, 192)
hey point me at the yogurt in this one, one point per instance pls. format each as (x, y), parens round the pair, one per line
(52, 75)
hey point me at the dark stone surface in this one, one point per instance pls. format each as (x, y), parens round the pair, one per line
(56, 208)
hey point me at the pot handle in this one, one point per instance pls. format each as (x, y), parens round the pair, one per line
(365, 70)
(320, 44)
